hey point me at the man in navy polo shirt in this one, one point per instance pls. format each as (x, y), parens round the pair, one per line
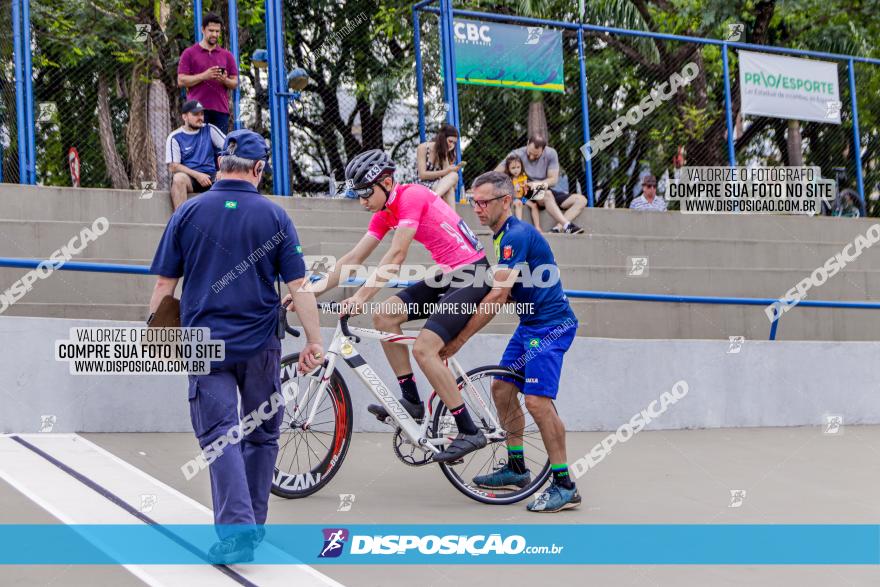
(230, 245)
(191, 153)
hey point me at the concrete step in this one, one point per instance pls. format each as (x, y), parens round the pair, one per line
(82, 205)
(617, 250)
(139, 241)
(700, 281)
(42, 238)
(100, 288)
(65, 203)
(603, 319)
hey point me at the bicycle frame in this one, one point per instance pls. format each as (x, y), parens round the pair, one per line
(343, 346)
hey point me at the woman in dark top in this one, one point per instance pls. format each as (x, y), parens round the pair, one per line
(436, 162)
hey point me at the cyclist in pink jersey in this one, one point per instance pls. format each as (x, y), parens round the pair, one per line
(416, 213)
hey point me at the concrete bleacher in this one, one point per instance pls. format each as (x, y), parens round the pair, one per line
(711, 255)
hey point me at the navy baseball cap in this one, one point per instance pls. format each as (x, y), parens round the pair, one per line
(192, 106)
(246, 144)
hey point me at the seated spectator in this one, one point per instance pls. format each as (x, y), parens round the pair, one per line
(191, 154)
(513, 167)
(436, 161)
(208, 72)
(847, 205)
(649, 201)
(541, 165)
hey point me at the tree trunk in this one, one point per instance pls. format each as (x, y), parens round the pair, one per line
(141, 155)
(537, 119)
(115, 168)
(795, 144)
(160, 127)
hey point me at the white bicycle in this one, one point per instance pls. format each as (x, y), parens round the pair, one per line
(317, 425)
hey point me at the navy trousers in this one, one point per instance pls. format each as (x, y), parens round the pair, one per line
(241, 477)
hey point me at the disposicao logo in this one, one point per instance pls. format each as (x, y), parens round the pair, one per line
(231, 204)
(334, 541)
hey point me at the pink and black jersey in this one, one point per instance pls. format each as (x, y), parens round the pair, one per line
(450, 241)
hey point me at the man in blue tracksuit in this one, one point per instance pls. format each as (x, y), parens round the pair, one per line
(526, 273)
(230, 245)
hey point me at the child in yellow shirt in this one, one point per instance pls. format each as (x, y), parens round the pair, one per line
(513, 167)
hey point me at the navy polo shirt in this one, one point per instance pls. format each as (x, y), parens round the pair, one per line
(518, 244)
(197, 150)
(230, 244)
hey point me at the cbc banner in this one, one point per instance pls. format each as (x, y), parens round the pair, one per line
(789, 87)
(508, 56)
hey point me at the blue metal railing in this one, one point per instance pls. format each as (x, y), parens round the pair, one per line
(583, 294)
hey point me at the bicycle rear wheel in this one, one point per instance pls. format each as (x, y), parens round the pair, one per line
(309, 458)
(482, 461)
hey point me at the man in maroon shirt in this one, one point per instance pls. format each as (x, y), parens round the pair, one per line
(208, 72)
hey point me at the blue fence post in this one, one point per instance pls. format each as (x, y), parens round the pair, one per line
(728, 108)
(233, 48)
(272, 87)
(281, 76)
(417, 42)
(28, 75)
(857, 141)
(197, 20)
(585, 114)
(277, 102)
(21, 127)
(448, 41)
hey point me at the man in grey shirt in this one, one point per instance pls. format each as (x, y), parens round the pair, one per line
(541, 165)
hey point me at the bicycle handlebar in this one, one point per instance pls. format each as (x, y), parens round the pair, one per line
(329, 307)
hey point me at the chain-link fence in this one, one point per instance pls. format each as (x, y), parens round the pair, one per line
(496, 120)
(360, 95)
(657, 103)
(8, 122)
(653, 103)
(106, 98)
(105, 90)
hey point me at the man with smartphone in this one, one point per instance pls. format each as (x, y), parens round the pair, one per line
(208, 72)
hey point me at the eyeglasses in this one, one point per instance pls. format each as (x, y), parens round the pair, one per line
(483, 204)
(649, 185)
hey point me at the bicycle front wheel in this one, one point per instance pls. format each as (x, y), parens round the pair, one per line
(309, 457)
(483, 461)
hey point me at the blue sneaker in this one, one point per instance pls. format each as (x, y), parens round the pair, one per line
(503, 477)
(235, 549)
(556, 498)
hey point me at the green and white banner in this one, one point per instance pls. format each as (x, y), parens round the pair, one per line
(789, 87)
(491, 54)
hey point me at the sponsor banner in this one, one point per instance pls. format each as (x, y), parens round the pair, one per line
(789, 87)
(453, 544)
(509, 56)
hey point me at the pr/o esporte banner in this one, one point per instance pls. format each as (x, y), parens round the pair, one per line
(491, 54)
(789, 87)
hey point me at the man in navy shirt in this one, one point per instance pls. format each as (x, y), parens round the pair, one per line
(230, 245)
(191, 154)
(546, 330)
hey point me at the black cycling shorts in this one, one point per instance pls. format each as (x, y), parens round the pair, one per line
(448, 317)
